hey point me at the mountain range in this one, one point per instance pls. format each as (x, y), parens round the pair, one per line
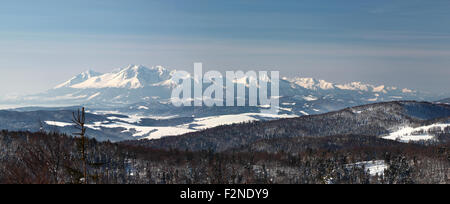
(138, 89)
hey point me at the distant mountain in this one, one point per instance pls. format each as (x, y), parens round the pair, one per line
(126, 86)
(377, 120)
(131, 77)
(137, 89)
(80, 78)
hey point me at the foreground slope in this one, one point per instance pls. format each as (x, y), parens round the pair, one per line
(41, 158)
(372, 120)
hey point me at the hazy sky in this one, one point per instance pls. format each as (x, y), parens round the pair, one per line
(404, 43)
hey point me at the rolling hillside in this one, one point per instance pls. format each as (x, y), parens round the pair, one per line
(375, 120)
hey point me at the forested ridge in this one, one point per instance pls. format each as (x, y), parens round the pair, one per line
(370, 120)
(53, 158)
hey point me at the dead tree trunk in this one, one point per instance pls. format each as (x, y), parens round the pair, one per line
(80, 120)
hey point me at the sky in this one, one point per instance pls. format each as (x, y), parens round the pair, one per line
(404, 43)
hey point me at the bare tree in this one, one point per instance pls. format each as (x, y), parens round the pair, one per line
(41, 125)
(80, 120)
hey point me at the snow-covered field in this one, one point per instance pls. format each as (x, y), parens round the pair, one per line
(58, 124)
(374, 168)
(214, 121)
(410, 134)
(156, 132)
(304, 113)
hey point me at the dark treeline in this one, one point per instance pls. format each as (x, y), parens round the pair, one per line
(54, 158)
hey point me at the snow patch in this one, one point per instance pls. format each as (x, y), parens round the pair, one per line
(58, 124)
(214, 121)
(407, 91)
(410, 134)
(304, 113)
(93, 96)
(374, 168)
(310, 98)
(143, 108)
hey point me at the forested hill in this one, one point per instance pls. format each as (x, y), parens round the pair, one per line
(42, 158)
(370, 120)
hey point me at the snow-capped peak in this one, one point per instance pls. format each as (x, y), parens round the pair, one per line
(311, 83)
(160, 69)
(315, 84)
(359, 86)
(354, 86)
(78, 79)
(132, 77)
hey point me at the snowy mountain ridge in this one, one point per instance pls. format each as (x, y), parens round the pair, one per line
(138, 76)
(314, 84)
(78, 79)
(142, 89)
(132, 77)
